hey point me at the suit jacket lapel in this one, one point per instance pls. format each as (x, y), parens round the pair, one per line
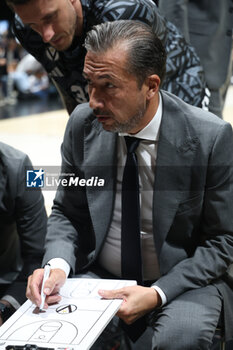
(176, 148)
(99, 160)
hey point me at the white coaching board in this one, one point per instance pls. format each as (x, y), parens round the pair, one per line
(74, 323)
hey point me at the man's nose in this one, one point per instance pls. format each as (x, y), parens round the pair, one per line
(47, 32)
(96, 99)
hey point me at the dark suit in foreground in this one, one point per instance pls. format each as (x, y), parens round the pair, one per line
(23, 222)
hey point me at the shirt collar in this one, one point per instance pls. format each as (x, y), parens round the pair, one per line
(151, 130)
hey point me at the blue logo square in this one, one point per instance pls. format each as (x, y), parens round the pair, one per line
(35, 178)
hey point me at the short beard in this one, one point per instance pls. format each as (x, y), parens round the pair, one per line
(130, 124)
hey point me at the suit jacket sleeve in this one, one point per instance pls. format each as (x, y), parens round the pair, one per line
(214, 252)
(31, 222)
(70, 233)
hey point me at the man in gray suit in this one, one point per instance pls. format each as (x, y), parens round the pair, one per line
(185, 173)
(207, 25)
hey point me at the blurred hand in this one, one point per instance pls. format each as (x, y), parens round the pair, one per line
(137, 301)
(52, 286)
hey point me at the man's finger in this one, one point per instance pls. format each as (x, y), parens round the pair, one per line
(56, 279)
(34, 286)
(112, 294)
(51, 299)
(54, 282)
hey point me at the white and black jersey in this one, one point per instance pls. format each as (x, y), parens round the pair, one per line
(184, 74)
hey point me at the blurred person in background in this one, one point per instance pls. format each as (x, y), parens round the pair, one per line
(3, 72)
(30, 78)
(207, 25)
(11, 53)
(53, 31)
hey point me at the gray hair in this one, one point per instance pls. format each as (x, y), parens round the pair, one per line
(146, 54)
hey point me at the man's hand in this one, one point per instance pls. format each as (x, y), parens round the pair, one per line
(137, 301)
(52, 286)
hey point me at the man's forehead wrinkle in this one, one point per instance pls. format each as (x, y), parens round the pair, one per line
(99, 65)
(98, 75)
(107, 65)
(100, 70)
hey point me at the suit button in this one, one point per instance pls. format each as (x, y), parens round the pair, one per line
(229, 32)
(231, 9)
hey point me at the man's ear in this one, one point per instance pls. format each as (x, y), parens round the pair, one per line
(153, 83)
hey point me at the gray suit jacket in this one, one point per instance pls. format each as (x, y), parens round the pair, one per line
(207, 25)
(192, 212)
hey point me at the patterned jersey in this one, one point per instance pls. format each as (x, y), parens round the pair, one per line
(184, 77)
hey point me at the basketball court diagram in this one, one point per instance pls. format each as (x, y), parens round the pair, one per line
(75, 322)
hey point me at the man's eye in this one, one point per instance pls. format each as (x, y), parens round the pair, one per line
(49, 19)
(109, 85)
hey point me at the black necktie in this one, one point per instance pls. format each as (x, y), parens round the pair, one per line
(131, 262)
